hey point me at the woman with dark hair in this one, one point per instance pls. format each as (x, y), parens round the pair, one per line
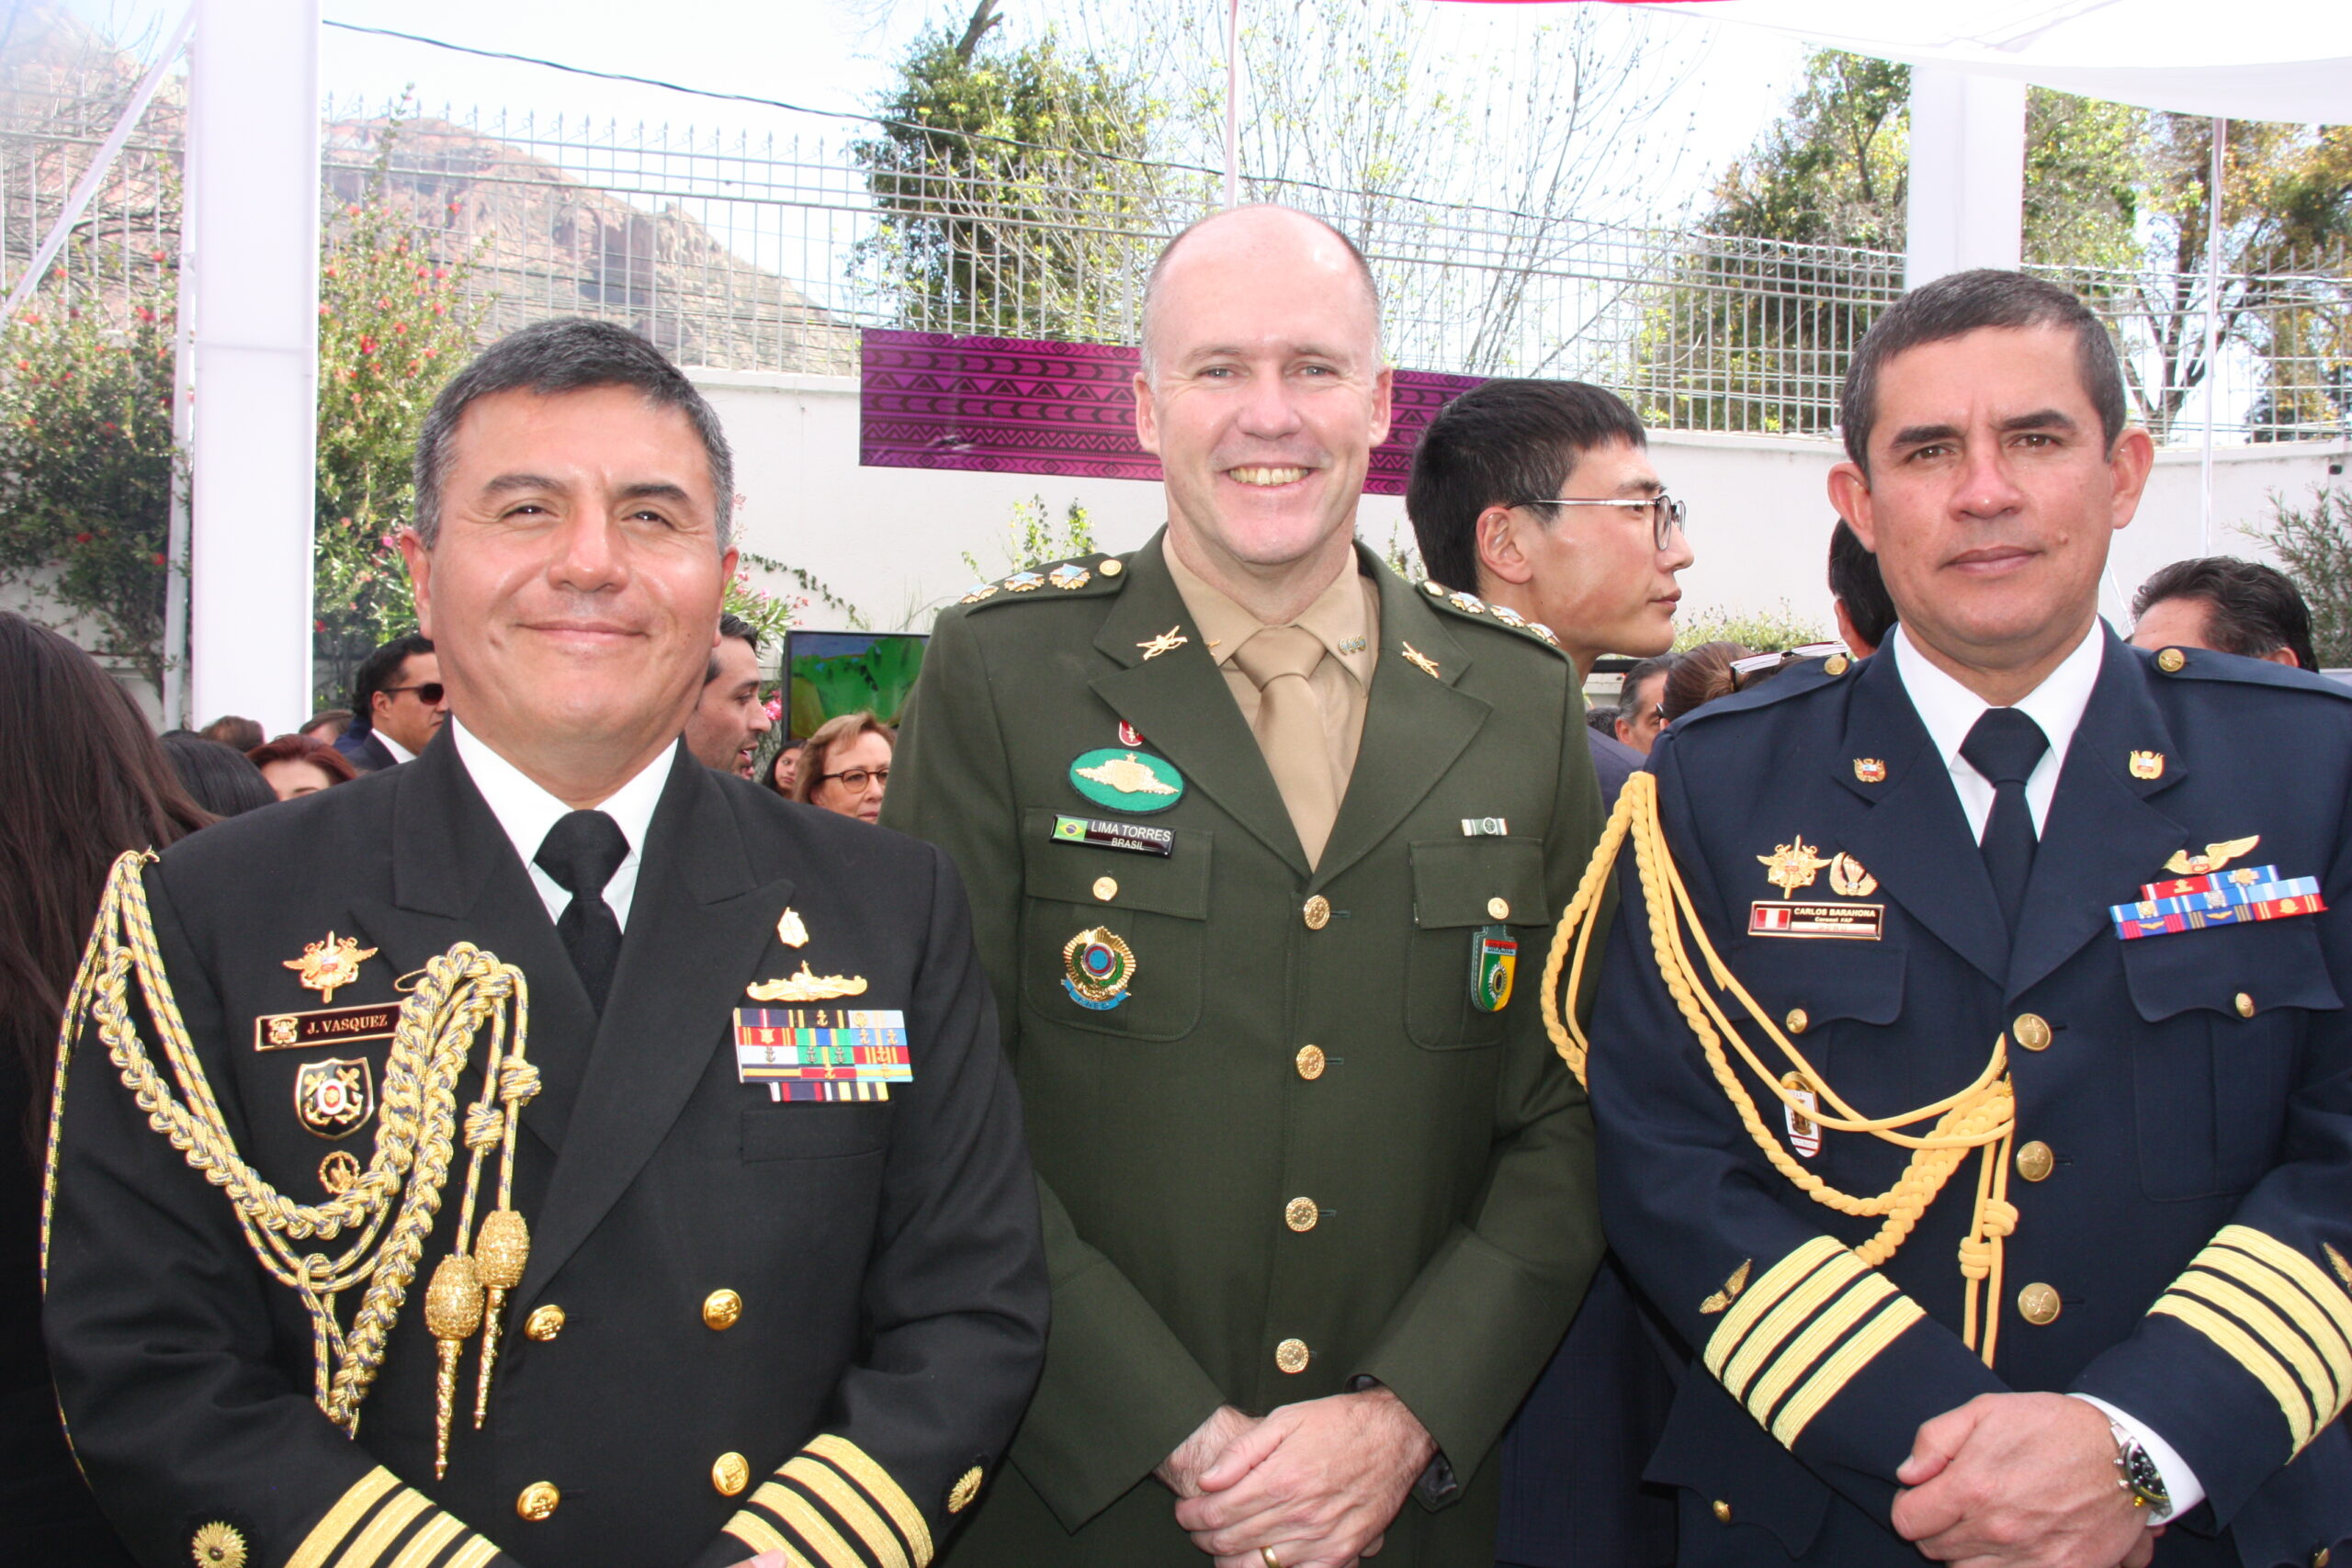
(296, 764)
(1701, 676)
(784, 767)
(217, 777)
(82, 779)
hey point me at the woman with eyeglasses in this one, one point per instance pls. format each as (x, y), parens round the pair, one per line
(847, 765)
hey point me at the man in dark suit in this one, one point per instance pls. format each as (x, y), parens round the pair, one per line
(759, 1262)
(398, 705)
(1255, 830)
(1542, 494)
(2008, 1207)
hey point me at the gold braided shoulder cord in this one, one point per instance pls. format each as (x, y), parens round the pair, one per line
(387, 1212)
(1981, 1116)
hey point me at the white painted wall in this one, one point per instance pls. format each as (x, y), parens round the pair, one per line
(889, 540)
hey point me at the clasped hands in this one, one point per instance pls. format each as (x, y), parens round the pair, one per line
(2020, 1479)
(1317, 1481)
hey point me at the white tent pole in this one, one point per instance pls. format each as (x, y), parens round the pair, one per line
(87, 186)
(2212, 335)
(1966, 206)
(254, 490)
(177, 545)
(1233, 103)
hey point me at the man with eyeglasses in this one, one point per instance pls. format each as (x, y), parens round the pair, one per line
(1540, 497)
(397, 705)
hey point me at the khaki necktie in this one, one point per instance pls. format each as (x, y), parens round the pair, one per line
(1290, 732)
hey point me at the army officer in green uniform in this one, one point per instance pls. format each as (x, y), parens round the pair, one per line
(1262, 841)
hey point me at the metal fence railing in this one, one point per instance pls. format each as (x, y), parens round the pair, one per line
(754, 252)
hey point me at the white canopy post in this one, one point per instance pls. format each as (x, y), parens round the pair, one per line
(1233, 103)
(1966, 203)
(255, 143)
(2212, 336)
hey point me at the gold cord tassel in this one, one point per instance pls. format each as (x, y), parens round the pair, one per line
(453, 1305)
(502, 1250)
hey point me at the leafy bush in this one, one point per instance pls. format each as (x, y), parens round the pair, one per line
(1765, 631)
(2315, 546)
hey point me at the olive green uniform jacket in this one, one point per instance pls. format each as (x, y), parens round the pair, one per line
(1445, 1151)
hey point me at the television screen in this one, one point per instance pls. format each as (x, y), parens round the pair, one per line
(831, 673)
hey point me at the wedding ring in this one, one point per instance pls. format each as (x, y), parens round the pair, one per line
(1266, 1555)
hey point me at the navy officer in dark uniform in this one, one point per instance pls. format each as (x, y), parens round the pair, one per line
(1985, 1117)
(681, 1216)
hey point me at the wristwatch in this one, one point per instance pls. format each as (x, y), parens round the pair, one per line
(2136, 1472)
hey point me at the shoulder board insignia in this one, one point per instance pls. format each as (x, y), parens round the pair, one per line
(1025, 582)
(1080, 579)
(1468, 604)
(1068, 575)
(978, 591)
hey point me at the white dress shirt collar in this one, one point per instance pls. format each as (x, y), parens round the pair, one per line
(526, 811)
(1949, 710)
(399, 753)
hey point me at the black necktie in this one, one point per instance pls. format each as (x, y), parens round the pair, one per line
(581, 852)
(2005, 745)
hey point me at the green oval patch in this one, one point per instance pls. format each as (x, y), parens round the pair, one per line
(1127, 780)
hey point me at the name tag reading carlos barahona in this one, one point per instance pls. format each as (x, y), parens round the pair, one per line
(1857, 923)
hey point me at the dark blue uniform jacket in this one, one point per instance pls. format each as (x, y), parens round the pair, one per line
(2194, 1091)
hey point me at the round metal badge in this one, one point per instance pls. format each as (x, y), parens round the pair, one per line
(1127, 780)
(1097, 968)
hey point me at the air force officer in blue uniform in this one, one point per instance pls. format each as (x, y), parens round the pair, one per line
(2029, 1242)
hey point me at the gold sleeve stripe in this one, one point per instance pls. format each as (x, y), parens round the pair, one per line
(886, 1494)
(1797, 1310)
(349, 1508)
(476, 1553)
(426, 1544)
(2250, 1354)
(383, 1529)
(1763, 1295)
(1842, 1368)
(2326, 1293)
(1830, 1324)
(800, 1516)
(755, 1532)
(882, 1543)
(2269, 1328)
(2282, 1293)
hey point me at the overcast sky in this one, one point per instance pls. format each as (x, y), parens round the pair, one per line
(826, 54)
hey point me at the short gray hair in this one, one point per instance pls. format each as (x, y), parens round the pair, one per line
(1159, 268)
(570, 354)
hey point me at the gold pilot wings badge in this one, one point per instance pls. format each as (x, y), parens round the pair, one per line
(2189, 863)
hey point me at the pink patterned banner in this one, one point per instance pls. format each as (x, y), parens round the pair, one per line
(1011, 406)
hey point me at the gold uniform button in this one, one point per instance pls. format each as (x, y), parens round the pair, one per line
(1317, 912)
(2030, 1030)
(720, 1309)
(1292, 1355)
(1106, 889)
(2319, 1558)
(1310, 1061)
(1499, 909)
(1721, 1512)
(967, 1487)
(1300, 1214)
(2035, 1162)
(2037, 1304)
(1798, 1020)
(544, 1322)
(2172, 662)
(2244, 1005)
(1111, 568)
(537, 1500)
(1833, 665)
(731, 1473)
(218, 1545)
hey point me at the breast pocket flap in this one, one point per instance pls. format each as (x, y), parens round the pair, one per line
(1074, 871)
(1479, 882)
(2271, 964)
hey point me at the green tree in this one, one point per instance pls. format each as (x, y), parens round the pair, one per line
(85, 469)
(1006, 206)
(2313, 545)
(394, 323)
(1762, 315)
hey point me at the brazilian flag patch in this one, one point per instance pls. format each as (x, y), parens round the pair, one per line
(1494, 964)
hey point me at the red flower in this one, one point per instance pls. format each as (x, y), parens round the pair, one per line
(159, 558)
(80, 538)
(367, 343)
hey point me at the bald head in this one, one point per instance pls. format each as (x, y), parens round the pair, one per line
(1255, 239)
